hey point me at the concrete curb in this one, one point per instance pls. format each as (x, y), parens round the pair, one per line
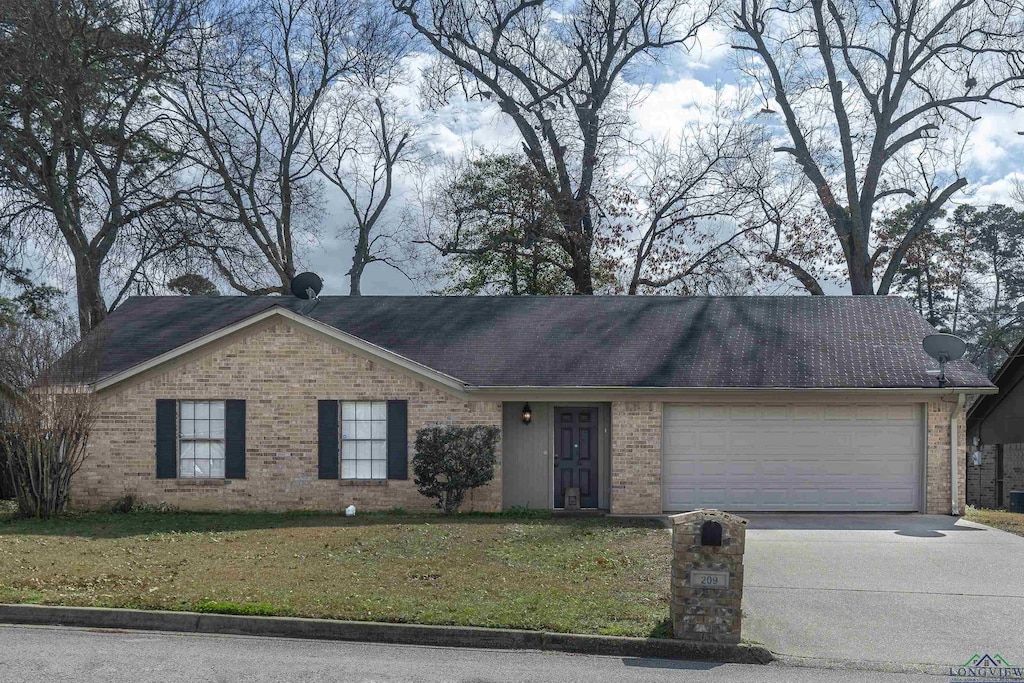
(861, 665)
(374, 632)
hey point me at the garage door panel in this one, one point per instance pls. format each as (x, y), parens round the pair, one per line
(838, 414)
(794, 457)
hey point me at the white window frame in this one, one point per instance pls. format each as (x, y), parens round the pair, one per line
(363, 440)
(197, 439)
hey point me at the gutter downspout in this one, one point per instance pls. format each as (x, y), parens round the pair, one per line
(954, 456)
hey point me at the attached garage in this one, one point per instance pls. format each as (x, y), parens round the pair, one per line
(793, 457)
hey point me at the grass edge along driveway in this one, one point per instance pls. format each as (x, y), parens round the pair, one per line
(532, 572)
(1012, 522)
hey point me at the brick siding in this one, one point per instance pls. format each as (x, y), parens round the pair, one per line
(636, 458)
(281, 371)
(981, 479)
(938, 498)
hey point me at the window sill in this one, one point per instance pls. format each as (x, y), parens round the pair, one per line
(202, 482)
(362, 482)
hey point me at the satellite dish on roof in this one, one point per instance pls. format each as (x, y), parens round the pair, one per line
(944, 348)
(307, 285)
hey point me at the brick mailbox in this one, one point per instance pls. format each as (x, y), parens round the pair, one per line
(707, 576)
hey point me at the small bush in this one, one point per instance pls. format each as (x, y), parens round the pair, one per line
(123, 505)
(451, 460)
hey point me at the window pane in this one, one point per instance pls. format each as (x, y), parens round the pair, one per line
(348, 410)
(217, 450)
(380, 470)
(202, 449)
(379, 410)
(363, 470)
(362, 430)
(216, 468)
(378, 430)
(216, 429)
(202, 410)
(348, 429)
(348, 469)
(187, 410)
(362, 450)
(187, 470)
(188, 450)
(362, 410)
(379, 450)
(217, 410)
(202, 429)
(202, 468)
(188, 428)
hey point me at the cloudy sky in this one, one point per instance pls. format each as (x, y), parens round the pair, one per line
(675, 91)
(672, 93)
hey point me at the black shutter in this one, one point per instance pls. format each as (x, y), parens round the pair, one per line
(166, 438)
(327, 438)
(398, 440)
(234, 439)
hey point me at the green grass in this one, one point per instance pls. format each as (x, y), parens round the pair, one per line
(511, 571)
(1000, 519)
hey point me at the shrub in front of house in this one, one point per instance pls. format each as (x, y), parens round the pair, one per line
(450, 461)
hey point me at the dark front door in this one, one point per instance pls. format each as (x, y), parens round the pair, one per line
(576, 454)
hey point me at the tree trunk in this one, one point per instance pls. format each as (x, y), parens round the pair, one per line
(359, 259)
(92, 309)
(861, 277)
(580, 272)
(355, 278)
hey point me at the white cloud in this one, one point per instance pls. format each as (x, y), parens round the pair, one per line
(999, 191)
(667, 107)
(995, 144)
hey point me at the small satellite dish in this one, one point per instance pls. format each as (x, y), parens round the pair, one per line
(944, 348)
(307, 285)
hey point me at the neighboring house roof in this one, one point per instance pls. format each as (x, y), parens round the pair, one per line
(1010, 399)
(584, 341)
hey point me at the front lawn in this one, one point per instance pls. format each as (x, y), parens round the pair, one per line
(581, 575)
(1000, 519)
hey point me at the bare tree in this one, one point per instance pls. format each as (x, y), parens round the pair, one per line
(47, 411)
(556, 73)
(875, 99)
(259, 75)
(679, 213)
(83, 149)
(364, 141)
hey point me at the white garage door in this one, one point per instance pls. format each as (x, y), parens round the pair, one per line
(792, 457)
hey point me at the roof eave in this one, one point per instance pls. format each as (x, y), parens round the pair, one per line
(390, 357)
(541, 390)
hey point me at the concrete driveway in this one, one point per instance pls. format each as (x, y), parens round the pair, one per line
(885, 591)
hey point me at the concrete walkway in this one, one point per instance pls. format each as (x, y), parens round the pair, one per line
(886, 590)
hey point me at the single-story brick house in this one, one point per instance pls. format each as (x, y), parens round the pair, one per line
(995, 429)
(647, 404)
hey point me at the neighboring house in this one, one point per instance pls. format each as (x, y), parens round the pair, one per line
(996, 429)
(647, 404)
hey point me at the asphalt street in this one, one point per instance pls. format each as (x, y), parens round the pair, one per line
(34, 653)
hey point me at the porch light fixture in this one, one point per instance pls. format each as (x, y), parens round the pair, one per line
(527, 414)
